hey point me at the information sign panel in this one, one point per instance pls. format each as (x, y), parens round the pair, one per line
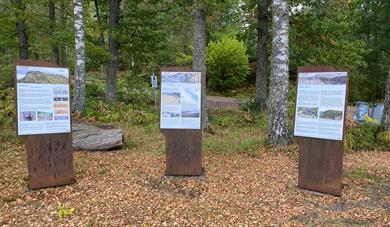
(153, 80)
(320, 105)
(42, 100)
(180, 100)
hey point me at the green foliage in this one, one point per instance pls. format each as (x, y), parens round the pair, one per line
(227, 64)
(121, 113)
(135, 89)
(321, 35)
(366, 137)
(7, 107)
(362, 173)
(250, 105)
(64, 212)
(235, 131)
(384, 140)
(135, 98)
(374, 29)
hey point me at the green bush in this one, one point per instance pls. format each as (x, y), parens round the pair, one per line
(120, 113)
(227, 64)
(384, 140)
(365, 137)
(135, 89)
(7, 107)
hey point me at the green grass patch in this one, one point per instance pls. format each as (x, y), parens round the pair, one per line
(235, 131)
(362, 173)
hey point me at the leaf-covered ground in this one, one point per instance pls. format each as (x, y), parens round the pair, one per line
(127, 187)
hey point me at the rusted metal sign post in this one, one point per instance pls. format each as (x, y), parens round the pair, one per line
(44, 122)
(322, 94)
(180, 120)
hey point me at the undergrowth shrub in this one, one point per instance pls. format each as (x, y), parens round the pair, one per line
(98, 110)
(367, 137)
(7, 107)
(227, 64)
(131, 89)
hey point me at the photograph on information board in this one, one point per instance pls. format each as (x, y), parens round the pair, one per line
(320, 105)
(180, 100)
(43, 100)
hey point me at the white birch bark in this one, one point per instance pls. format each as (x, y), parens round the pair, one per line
(79, 80)
(278, 94)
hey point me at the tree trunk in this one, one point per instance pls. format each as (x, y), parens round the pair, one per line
(278, 95)
(112, 63)
(52, 17)
(21, 30)
(199, 53)
(262, 54)
(102, 42)
(63, 48)
(88, 137)
(187, 39)
(79, 82)
(386, 112)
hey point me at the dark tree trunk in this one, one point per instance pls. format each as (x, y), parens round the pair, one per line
(52, 17)
(187, 39)
(79, 81)
(199, 53)
(278, 95)
(112, 63)
(62, 49)
(262, 54)
(386, 112)
(102, 42)
(21, 30)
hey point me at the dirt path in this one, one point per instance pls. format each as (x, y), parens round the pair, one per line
(222, 102)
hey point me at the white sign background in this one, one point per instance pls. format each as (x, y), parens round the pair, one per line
(320, 105)
(43, 100)
(180, 100)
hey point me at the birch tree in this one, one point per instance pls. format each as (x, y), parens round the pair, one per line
(278, 92)
(199, 53)
(262, 53)
(79, 80)
(386, 112)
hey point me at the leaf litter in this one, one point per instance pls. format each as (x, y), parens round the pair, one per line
(128, 188)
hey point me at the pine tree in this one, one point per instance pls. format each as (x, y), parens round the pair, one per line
(199, 53)
(262, 53)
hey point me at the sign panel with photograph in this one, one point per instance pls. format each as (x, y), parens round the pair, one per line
(320, 105)
(180, 100)
(42, 100)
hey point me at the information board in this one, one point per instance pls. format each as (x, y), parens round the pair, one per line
(180, 100)
(320, 107)
(42, 100)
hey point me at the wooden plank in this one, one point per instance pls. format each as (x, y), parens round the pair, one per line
(321, 160)
(49, 156)
(183, 146)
